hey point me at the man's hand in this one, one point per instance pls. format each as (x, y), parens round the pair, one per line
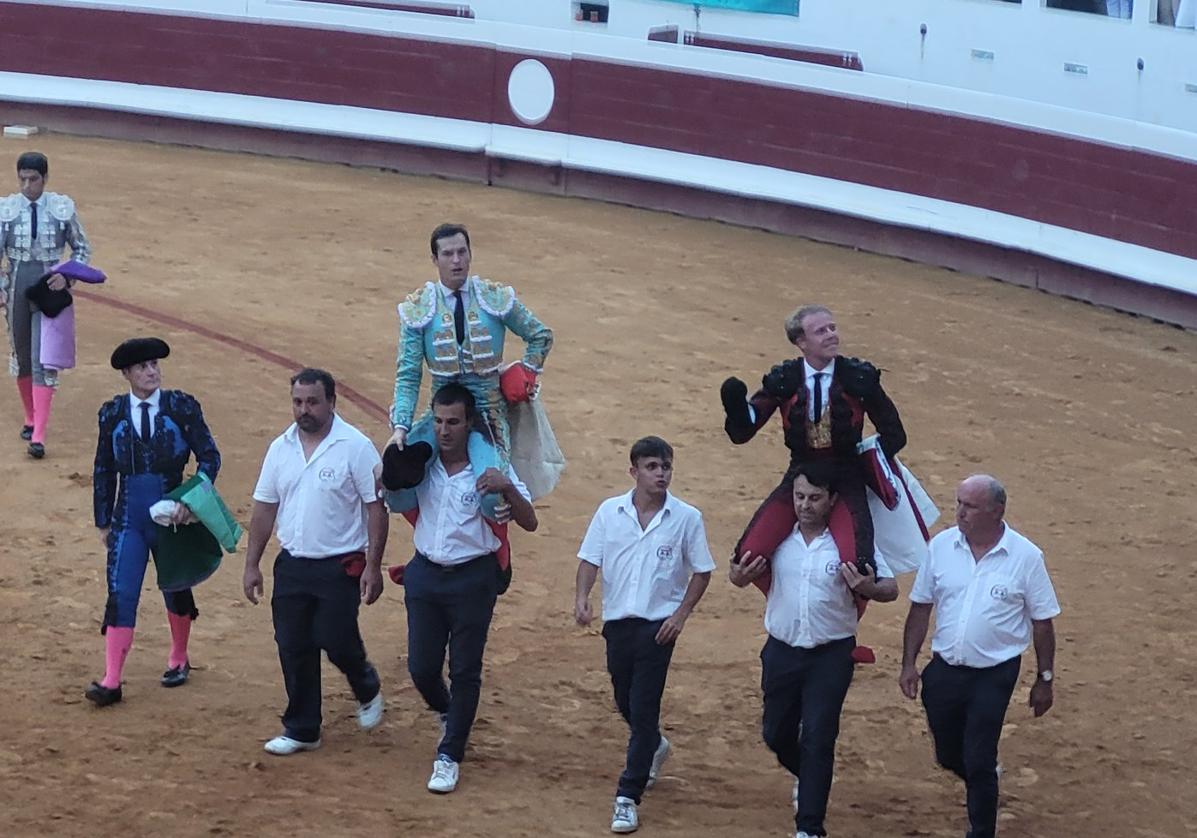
(583, 615)
(56, 282)
(672, 627)
(103, 533)
(864, 584)
(3, 299)
(371, 584)
(747, 570)
(492, 480)
(1041, 697)
(182, 514)
(380, 491)
(908, 681)
(251, 583)
(398, 438)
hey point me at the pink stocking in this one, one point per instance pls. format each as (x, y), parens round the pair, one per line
(180, 633)
(117, 642)
(25, 385)
(42, 397)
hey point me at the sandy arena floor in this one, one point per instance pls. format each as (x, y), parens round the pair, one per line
(1086, 414)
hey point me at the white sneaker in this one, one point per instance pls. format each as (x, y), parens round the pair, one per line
(370, 713)
(444, 775)
(805, 835)
(659, 757)
(625, 819)
(282, 746)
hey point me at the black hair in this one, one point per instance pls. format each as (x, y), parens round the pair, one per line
(445, 231)
(452, 394)
(311, 375)
(817, 474)
(34, 160)
(651, 446)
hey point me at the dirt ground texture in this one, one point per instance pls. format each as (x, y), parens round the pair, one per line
(1086, 414)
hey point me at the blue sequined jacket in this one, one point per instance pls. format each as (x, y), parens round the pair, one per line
(179, 431)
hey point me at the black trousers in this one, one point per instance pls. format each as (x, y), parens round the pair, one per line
(315, 604)
(965, 710)
(638, 666)
(449, 607)
(804, 692)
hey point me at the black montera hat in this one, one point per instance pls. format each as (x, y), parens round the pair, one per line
(136, 350)
(405, 468)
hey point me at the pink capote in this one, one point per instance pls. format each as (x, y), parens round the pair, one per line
(58, 333)
(58, 340)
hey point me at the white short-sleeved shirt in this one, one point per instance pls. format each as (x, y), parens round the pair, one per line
(321, 501)
(451, 529)
(645, 571)
(809, 603)
(984, 609)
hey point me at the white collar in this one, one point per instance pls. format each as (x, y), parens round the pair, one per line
(448, 294)
(811, 372)
(152, 400)
(798, 534)
(626, 503)
(962, 542)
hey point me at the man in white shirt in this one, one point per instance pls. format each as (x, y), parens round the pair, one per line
(317, 483)
(992, 595)
(452, 582)
(652, 550)
(811, 618)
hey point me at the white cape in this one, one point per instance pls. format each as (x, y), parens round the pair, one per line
(535, 455)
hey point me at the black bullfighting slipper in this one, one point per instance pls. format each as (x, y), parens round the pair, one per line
(102, 696)
(176, 676)
(37, 450)
(26, 432)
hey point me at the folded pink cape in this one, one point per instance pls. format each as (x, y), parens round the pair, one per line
(58, 333)
(58, 340)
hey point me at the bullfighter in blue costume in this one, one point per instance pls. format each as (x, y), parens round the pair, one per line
(457, 326)
(145, 440)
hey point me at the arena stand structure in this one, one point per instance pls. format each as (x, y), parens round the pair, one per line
(1047, 148)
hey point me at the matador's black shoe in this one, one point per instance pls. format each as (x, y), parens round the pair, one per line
(26, 432)
(176, 676)
(102, 696)
(37, 450)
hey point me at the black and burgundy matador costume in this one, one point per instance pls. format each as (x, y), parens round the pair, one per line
(854, 392)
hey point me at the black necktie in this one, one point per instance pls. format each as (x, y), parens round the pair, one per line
(818, 396)
(145, 422)
(32, 221)
(459, 317)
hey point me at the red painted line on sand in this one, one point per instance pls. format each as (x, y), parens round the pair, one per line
(367, 404)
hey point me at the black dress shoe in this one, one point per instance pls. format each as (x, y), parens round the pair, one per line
(37, 450)
(176, 676)
(102, 696)
(26, 432)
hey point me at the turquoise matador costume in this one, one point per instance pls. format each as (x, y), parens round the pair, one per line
(428, 335)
